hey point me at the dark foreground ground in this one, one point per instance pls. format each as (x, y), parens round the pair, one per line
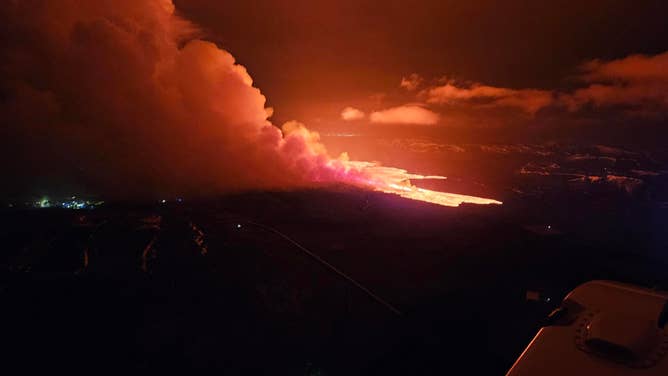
(187, 286)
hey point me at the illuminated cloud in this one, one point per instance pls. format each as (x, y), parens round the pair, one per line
(406, 114)
(527, 100)
(638, 84)
(633, 68)
(636, 81)
(412, 82)
(351, 113)
(118, 98)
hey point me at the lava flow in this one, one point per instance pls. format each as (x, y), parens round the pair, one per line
(398, 181)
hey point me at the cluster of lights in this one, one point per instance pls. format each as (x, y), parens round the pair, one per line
(74, 204)
(70, 203)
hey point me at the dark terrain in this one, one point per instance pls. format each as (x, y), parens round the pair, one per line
(208, 285)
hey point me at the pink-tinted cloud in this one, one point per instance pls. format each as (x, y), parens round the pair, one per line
(352, 113)
(406, 114)
(527, 100)
(636, 81)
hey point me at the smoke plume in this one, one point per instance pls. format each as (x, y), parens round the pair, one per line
(119, 97)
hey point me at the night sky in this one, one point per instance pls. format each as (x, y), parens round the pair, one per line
(150, 97)
(312, 59)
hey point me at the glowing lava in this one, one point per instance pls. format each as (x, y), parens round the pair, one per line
(397, 181)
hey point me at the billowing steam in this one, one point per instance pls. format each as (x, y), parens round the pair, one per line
(117, 96)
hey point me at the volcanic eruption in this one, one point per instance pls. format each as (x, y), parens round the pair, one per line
(138, 104)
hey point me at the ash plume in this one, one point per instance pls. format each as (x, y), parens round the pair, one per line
(119, 98)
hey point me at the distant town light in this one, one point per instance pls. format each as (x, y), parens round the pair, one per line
(68, 203)
(44, 202)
